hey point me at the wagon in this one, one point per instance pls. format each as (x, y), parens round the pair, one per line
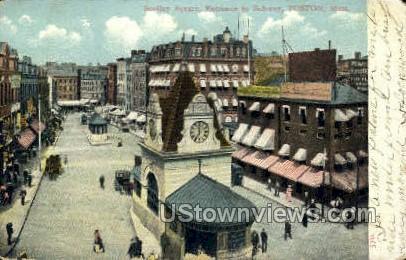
(122, 180)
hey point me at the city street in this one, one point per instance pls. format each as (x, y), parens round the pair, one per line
(67, 211)
(329, 240)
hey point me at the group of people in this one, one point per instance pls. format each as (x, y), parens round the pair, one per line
(9, 181)
(256, 243)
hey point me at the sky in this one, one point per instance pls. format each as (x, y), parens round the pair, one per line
(100, 31)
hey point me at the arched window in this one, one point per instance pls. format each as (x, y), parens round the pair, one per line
(152, 199)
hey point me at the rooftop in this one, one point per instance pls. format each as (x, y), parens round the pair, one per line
(260, 91)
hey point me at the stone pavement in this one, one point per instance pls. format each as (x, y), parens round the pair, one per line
(68, 210)
(18, 213)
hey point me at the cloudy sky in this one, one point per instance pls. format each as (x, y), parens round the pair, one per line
(84, 31)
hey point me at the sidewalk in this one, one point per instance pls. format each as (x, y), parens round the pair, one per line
(18, 214)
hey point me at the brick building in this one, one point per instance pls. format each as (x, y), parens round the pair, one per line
(138, 94)
(219, 66)
(124, 79)
(305, 134)
(67, 87)
(353, 71)
(112, 83)
(93, 83)
(317, 65)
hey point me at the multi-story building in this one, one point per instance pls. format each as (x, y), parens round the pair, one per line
(67, 86)
(112, 83)
(29, 85)
(93, 83)
(309, 135)
(353, 71)
(270, 68)
(124, 76)
(138, 93)
(221, 66)
(313, 66)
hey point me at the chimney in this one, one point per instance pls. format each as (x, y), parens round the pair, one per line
(193, 38)
(329, 44)
(357, 55)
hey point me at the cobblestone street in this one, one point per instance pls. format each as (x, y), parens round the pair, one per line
(67, 211)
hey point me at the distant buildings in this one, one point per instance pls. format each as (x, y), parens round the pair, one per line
(270, 69)
(138, 91)
(318, 65)
(67, 87)
(219, 66)
(353, 71)
(93, 83)
(124, 76)
(112, 83)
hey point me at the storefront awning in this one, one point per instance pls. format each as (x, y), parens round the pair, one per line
(314, 178)
(226, 84)
(267, 140)
(269, 109)
(176, 67)
(212, 83)
(141, 119)
(300, 155)
(339, 159)
(235, 83)
(362, 154)
(285, 150)
(132, 116)
(254, 107)
(340, 116)
(213, 68)
(240, 153)
(260, 159)
(226, 68)
(351, 157)
(240, 133)
(219, 83)
(37, 126)
(350, 114)
(288, 169)
(347, 181)
(246, 68)
(318, 160)
(26, 138)
(252, 135)
(219, 68)
(225, 102)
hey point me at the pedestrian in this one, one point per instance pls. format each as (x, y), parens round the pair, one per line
(288, 230)
(29, 179)
(98, 242)
(264, 241)
(269, 184)
(306, 194)
(132, 251)
(66, 160)
(277, 187)
(254, 241)
(101, 180)
(304, 219)
(139, 248)
(10, 231)
(23, 193)
(289, 191)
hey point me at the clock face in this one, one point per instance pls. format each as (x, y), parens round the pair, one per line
(152, 129)
(199, 131)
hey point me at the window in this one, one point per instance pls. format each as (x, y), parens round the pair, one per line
(177, 52)
(337, 124)
(302, 114)
(223, 52)
(152, 198)
(287, 128)
(360, 115)
(213, 52)
(347, 135)
(321, 135)
(349, 123)
(320, 117)
(286, 113)
(302, 131)
(236, 239)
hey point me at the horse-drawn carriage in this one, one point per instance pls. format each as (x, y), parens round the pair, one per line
(122, 181)
(53, 166)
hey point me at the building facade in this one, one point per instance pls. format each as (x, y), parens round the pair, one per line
(220, 66)
(93, 83)
(353, 71)
(112, 83)
(138, 94)
(306, 140)
(67, 87)
(124, 76)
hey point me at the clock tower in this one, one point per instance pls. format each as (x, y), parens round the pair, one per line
(181, 129)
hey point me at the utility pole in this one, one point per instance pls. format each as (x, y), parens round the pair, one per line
(39, 131)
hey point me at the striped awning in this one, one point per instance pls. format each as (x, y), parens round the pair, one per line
(269, 109)
(212, 83)
(300, 155)
(350, 114)
(252, 135)
(213, 68)
(288, 169)
(285, 150)
(225, 102)
(37, 126)
(314, 178)
(362, 153)
(318, 160)
(351, 157)
(166, 68)
(219, 83)
(202, 83)
(267, 140)
(339, 159)
(26, 138)
(240, 132)
(235, 83)
(226, 84)
(347, 180)
(340, 116)
(254, 107)
(219, 68)
(202, 67)
(226, 68)
(260, 159)
(240, 153)
(235, 102)
(176, 67)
